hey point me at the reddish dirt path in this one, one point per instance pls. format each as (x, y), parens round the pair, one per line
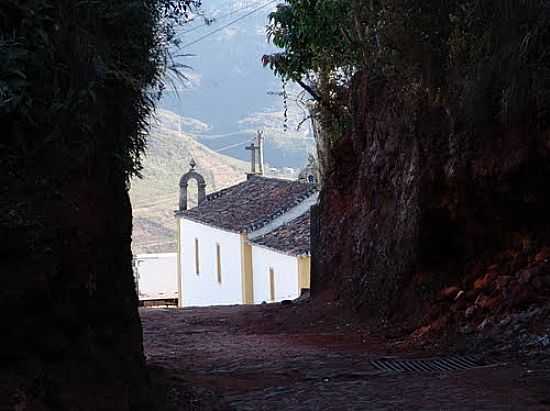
(275, 357)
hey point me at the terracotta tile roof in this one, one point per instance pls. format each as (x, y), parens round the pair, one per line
(291, 238)
(250, 205)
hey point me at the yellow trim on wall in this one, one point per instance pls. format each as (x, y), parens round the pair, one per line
(304, 272)
(180, 277)
(271, 284)
(197, 266)
(219, 262)
(247, 276)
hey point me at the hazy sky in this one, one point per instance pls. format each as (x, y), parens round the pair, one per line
(227, 87)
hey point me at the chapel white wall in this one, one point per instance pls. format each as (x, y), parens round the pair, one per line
(285, 268)
(156, 276)
(204, 289)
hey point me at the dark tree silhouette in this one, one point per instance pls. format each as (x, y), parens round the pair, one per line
(433, 139)
(78, 81)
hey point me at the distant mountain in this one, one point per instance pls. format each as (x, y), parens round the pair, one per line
(227, 97)
(230, 93)
(155, 196)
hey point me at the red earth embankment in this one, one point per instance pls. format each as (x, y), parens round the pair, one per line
(417, 210)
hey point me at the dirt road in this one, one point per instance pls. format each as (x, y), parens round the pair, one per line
(275, 357)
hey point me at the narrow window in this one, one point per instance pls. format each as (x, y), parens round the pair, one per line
(219, 262)
(271, 284)
(197, 256)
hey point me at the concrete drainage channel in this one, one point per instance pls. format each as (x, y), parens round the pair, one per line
(427, 364)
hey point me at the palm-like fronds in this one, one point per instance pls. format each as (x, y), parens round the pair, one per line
(79, 79)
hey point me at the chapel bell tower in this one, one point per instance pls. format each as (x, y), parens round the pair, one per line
(184, 182)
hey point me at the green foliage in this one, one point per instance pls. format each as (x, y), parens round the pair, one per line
(502, 49)
(306, 30)
(78, 80)
(484, 61)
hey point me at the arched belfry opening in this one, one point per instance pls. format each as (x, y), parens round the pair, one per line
(192, 174)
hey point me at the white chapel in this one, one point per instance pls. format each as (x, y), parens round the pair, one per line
(246, 244)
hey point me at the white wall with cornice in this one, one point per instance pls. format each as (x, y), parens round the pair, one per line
(204, 289)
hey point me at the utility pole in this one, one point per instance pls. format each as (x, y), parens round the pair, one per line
(256, 149)
(260, 147)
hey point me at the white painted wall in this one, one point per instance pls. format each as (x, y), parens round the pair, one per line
(204, 289)
(156, 276)
(285, 268)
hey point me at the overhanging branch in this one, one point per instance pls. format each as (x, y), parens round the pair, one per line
(310, 90)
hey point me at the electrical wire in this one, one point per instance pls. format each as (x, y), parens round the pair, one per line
(232, 146)
(207, 35)
(145, 245)
(219, 18)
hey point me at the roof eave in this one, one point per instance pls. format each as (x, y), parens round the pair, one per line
(278, 250)
(217, 227)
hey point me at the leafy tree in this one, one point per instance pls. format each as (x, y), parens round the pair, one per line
(453, 49)
(63, 63)
(446, 84)
(78, 82)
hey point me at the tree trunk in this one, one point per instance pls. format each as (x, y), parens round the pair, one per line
(72, 335)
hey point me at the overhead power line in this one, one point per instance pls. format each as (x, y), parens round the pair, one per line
(152, 200)
(232, 146)
(222, 17)
(207, 35)
(146, 245)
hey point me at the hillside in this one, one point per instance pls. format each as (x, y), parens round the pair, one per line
(155, 196)
(229, 90)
